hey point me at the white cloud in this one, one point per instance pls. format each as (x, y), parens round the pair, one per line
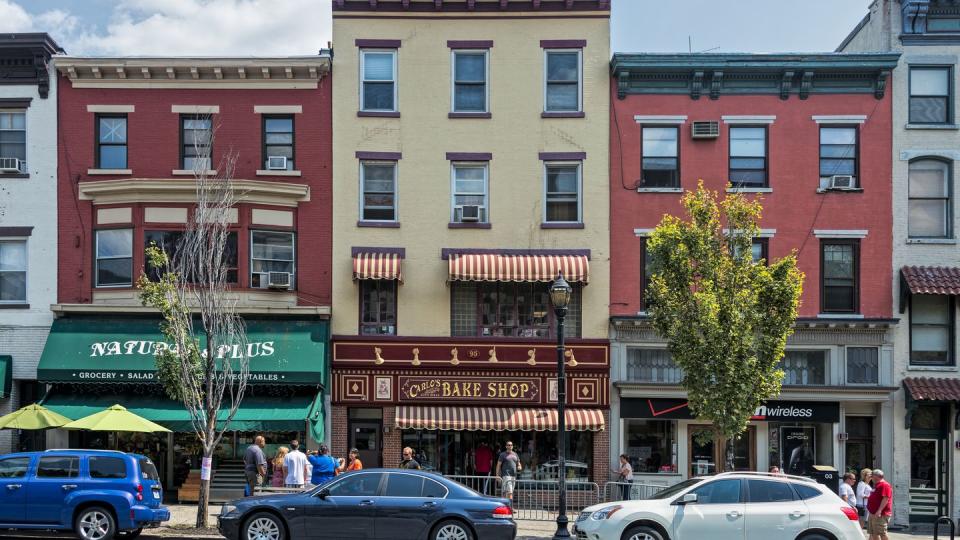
(14, 18)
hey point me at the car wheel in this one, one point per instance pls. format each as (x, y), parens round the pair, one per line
(642, 532)
(815, 536)
(451, 530)
(95, 523)
(263, 526)
(129, 535)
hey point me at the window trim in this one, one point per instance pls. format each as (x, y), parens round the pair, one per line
(675, 127)
(485, 165)
(948, 199)
(855, 242)
(486, 79)
(396, 94)
(26, 270)
(951, 339)
(98, 144)
(250, 258)
(263, 140)
(856, 150)
(730, 157)
(97, 258)
(546, 83)
(26, 132)
(949, 97)
(396, 191)
(360, 311)
(545, 194)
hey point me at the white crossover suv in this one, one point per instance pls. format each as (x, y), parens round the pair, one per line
(728, 506)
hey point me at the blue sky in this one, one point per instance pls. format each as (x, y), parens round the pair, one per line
(292, 27)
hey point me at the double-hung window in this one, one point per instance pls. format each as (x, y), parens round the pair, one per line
(661, 157)
(931, 329)
(929, 193)
(169, 242)
(838, 155)
(378, 73)
(378, 199)
(748, 157)
(111, 141)
(196, 136)
(13, 142)
(470, 81)
(930, 101)
(278, 143)
(839, 276)
(13, 271)
(563, 81)
(271, 252)
(470, 200)
(378, 307)
(114, 261)
(563, 188)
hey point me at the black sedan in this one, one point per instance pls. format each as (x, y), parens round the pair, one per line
(372, 504)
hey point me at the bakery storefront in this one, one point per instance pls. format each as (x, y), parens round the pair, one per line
(92, 362)
(446, 397)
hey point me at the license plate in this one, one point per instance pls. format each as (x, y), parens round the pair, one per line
(156, 494)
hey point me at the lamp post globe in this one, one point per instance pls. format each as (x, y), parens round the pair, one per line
(560, 292)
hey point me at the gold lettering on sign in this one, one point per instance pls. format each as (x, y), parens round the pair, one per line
(453, 358)
(573, 359)
(493, 355)
(532, 357)
(473, 353)
(378, 359)
(416, 356)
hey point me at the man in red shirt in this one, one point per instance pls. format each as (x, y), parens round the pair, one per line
(483, 462)
(879, 507)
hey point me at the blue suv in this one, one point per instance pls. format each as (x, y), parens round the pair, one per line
(100, 495)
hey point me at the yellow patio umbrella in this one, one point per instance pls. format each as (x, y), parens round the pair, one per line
(33, 417)
(116, 418)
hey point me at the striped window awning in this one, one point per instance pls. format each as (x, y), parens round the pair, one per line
(522, 268)
(496, 419)
(374, 265)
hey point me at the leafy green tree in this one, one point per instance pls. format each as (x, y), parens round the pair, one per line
(726, 317)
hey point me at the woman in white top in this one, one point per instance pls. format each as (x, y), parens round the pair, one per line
(863, 492)
(846, 489)
(625, 477)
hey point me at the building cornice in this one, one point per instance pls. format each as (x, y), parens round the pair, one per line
(25, 59)
(183, 72)
(184, 190)
(527, 8)
(716, 74)
(61, 310)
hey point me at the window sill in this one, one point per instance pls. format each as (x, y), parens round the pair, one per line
(839, 315)
(468, 225)
(750, 190)
(849, 190)
(931, 368)
(14, 306)
(378, 114)
(277, 173)
(190, 172)
(659, 190)
(109, 172)
(561, 225)
(933, 241)
(14, 175)
(469, 115)
(568, 114)
(942, 127)
(379, 224)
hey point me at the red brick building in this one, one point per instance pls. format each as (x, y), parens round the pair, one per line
(811, 135)
(126, 179)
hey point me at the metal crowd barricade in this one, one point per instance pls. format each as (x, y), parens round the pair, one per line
(485, 485)
(536, 499)
(620, 491)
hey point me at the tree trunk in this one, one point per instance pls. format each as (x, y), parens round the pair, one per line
(203, 517)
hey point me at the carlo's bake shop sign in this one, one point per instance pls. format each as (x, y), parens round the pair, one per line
(469, 388)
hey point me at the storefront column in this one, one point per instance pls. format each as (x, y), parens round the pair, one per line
(887, 429)
(391, 438)
(170, 461)
(339, 431)
(839, 450)
(601, 453)
(763, 447)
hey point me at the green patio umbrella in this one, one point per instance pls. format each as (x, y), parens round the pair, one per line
(33, 417)
(116, 418)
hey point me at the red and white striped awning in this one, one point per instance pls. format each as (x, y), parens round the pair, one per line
(372, 265)
(495, 419)
(525, 268)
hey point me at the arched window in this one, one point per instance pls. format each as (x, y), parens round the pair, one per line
(929, 194)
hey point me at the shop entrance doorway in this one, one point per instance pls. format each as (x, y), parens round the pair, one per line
(705, 455)
(859, 450)
(929, 429)
(365, 437)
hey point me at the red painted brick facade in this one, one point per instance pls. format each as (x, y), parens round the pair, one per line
(153, 152)
(794, 208)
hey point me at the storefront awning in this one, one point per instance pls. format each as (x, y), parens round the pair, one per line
(496, 419)
(6, 376)
(256, 413)
(377, 265)
(116, 350)
(932, 388)
(519, 268)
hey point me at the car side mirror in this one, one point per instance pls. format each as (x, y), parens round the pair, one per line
(687, 498)
(323, 493)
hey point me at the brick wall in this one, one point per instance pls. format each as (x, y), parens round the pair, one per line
(601, 452)
(339, 436)
(391, 438)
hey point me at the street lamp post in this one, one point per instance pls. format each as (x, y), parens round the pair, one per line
(560, 292)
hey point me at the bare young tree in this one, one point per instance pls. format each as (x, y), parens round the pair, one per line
(205, 364)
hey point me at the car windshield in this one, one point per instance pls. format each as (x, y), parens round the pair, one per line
(676, 488)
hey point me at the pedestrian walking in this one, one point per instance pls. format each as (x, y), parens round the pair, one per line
(864, 489)
(508, 465)
(879, 507)
(846, 489)
(408, 462)
(353, 462)
(295, 467)
(255, 464)
(324, 466)
(276, 480)
(483, 463)
(625, 477)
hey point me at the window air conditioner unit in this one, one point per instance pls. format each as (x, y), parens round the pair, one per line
(278, 280)
(842, 181)
(277, 163)
(470, 212)
(705, 130)
(10, 165)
